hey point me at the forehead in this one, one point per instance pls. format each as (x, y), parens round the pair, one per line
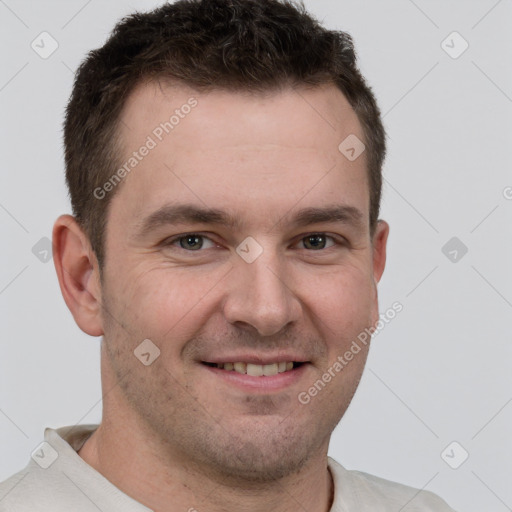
(272, 116)
(244, 152)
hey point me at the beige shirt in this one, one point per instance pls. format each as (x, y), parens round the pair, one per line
(58, 479)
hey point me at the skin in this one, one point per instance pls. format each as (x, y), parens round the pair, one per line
(174, 434)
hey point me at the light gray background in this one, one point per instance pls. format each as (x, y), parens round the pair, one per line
(440, 372)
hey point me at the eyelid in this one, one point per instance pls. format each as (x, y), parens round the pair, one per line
(175, 238)
(337, 239)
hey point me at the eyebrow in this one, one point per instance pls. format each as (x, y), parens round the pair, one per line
(192, 214)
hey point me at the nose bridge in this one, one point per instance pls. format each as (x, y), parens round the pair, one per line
(260, 296)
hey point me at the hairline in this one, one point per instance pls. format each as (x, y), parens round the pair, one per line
(115, 146)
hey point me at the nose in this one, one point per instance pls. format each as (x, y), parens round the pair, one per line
(261, 296)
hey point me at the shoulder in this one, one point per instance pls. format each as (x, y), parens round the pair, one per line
(355, 490)
(25, 491)
(55, 477)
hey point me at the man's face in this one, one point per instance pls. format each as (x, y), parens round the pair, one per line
(193, 287)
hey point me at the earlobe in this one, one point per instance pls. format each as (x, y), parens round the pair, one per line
(78, 274)
(380, 239)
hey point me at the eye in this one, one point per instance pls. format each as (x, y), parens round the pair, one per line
(318, 241)
(191, 242)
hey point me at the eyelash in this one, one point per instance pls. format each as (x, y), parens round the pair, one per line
(337, 241)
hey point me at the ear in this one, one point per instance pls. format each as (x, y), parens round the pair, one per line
(379, 243)
(78, 272)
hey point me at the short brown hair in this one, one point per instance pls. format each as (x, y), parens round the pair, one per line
(252, 45)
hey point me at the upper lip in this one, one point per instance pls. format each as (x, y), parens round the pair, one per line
(256, 358)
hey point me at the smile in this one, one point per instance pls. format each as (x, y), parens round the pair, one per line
(256, 370)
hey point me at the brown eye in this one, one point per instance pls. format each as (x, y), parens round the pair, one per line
(316, 241)
(192, 242)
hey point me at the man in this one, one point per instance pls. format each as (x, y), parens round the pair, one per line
(224, 160)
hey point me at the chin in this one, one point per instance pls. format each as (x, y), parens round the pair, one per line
(255, 465)
(259, 455)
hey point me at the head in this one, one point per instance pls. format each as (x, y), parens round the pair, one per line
(252, 46)
(237, 232)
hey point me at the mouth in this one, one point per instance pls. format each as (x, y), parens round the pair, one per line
(253, 377)
(257, 370)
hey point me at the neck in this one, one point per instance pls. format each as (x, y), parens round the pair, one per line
(169, 483)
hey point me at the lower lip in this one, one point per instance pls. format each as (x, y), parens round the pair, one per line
(278, 382)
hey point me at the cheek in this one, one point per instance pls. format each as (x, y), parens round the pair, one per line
(161, 302)
(342, 300)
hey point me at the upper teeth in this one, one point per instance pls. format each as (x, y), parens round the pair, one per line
(257, 370)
